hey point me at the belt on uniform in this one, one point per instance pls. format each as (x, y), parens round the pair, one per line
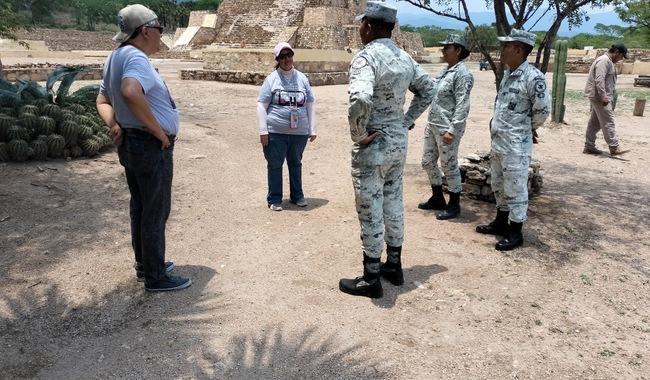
(145, 134)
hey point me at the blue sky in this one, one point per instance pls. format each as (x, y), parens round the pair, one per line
(412, 15)
(473, 6)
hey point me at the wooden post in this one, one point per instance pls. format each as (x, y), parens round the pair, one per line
(639, 106)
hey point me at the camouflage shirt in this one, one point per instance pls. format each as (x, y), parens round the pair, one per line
(380, 74)
(522, 105)
(450, 105)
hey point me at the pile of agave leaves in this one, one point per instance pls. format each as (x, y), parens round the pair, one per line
(39, 123)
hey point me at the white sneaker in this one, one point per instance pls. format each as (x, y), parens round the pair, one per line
(276, 207)
(301, 202)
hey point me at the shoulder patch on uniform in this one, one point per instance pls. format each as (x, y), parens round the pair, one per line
(469, 84)
(359, 62)
(540, 85)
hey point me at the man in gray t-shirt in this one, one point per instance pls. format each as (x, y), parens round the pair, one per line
(138, 108)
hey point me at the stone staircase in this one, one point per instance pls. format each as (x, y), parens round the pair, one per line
(257, 22)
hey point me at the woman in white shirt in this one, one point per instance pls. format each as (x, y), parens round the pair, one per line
(285, 112)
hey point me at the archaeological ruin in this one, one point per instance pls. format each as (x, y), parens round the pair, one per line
(237, 39)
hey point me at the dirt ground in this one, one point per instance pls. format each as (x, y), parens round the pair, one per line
(574, 302)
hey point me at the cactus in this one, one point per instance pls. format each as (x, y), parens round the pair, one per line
(107, 141)
(66, 115)
(90, 147)
(40, 103)
(4, 152)
(16, 132)
(559, 81)
(52, 110)
(5, 123)
(29, 109)
(77, 108)
(29, 121)
(70, 131)
(76, 151)
(85, 133)
(83, 120)
(18, 150)
(46, 125)
(55, 145)
(9, 111)
(40, 149)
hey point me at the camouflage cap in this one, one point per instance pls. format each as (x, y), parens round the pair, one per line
(378, 10)
(455, 39)
(521, 36)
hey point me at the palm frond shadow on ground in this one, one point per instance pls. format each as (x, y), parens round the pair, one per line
(51, 209)
(40, 327)
(274, 355)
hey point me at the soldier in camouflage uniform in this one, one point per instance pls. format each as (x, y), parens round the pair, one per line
(522, 105)
(446, 126)
(380, 75)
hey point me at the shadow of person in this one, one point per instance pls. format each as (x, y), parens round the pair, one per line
(414, 278)
(312, 203)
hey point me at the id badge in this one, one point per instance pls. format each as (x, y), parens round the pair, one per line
(294, 118)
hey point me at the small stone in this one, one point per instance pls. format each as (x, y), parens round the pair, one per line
(473, 157)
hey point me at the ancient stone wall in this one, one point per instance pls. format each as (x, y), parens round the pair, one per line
(197, 17)
(68, 39)
(321, 37)
(327, 16)
(256, 22)
(256, 78)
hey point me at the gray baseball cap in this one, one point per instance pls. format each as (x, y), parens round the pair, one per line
(131, 18)
(521, 36)
(378, 10)
(455, 39)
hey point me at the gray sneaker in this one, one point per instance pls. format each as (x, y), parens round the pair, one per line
(276, 207)
(168, 283)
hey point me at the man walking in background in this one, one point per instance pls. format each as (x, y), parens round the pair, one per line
(601, 91)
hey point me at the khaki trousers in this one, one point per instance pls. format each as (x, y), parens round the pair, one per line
(602, 118)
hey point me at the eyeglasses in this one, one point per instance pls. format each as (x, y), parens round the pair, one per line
(285, 55)
(160, 28)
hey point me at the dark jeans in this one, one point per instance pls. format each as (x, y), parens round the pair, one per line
(149, 173)
(281, 147)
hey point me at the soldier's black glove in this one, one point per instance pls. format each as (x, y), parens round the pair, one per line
(535, 137)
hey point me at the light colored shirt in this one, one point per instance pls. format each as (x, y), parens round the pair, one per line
(380, 75)
(601, 82)
(130, 62)
(283, 94)
(450, 105)
(522, 105)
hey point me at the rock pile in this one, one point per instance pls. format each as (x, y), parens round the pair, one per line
(476, 177)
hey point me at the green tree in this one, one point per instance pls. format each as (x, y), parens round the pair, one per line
(522, 12)
(637, 13)
(10, 21)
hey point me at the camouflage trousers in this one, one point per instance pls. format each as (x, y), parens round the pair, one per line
(379, 203)
(510, 184)
(435, 149)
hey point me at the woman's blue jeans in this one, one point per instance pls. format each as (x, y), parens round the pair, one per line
(281, 147)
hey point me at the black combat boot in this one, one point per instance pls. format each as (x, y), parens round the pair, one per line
(391, 270)
(453, 208)
(368, 285)
(499, 226)
(437, 200)
(513, 239)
